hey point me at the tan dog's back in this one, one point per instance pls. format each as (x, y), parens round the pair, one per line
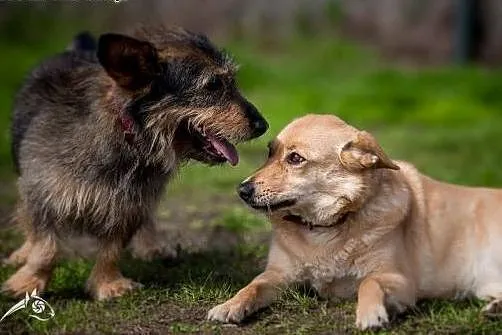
(457, 232)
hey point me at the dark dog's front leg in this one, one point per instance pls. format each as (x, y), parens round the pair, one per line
(106, 280)
(37, 270)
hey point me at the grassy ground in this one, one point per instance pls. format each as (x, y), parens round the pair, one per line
(447, 121)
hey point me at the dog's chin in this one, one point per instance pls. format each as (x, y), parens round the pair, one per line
(273, 206)
(335, 221)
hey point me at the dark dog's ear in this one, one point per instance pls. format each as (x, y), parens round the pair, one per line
(130, 62)
(364, 153)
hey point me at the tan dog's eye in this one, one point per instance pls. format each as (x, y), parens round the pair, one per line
(294, 159)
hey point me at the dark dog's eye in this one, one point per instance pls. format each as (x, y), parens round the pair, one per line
(294, 159)
(214, 84)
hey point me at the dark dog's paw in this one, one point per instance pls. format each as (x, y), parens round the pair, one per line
(14, 260)
(112, 289)
(25, 280)
(18, 257)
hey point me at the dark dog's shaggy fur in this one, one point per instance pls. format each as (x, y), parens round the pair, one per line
(97, 134)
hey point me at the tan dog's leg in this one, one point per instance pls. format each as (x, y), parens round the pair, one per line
(493, 294)
(494, 308)
(36, 273)
(106, 280)
(147, 245)
(258, 294)
(378, 291)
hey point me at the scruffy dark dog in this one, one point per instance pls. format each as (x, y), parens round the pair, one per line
(97, 134)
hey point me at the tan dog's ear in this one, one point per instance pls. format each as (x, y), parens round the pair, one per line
(363, 153)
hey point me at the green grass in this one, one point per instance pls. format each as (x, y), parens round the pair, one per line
(447, 121)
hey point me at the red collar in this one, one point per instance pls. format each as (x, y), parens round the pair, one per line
(127, 125)
(124, 120)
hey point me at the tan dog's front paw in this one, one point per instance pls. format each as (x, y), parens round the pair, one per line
(112, 289)
(493, 309)
(24, 281)
(374, 316)
(230, 311)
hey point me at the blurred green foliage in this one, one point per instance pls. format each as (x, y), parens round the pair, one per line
(314, 74)
(26, 37)
(440, 107)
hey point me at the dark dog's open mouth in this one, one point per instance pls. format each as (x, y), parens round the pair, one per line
(218, 149)
(276, 206)
(205, 147)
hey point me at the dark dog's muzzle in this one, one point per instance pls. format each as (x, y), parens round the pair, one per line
(257, 124)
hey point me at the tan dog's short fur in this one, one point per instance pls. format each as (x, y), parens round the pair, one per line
(371, 227)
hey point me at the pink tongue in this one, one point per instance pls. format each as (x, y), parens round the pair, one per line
(226, 149)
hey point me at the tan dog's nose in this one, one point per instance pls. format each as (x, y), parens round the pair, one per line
(246, 190)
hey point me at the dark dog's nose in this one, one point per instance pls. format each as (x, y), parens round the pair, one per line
(257, 123)
(246, 190)
(259, 127)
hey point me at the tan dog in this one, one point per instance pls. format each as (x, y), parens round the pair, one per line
(349, 220)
